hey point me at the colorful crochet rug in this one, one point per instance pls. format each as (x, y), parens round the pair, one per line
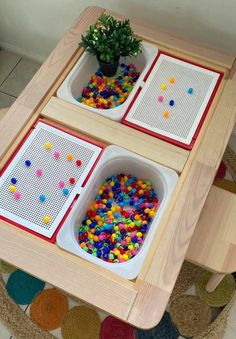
(32, 309)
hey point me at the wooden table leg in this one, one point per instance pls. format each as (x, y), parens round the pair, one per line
(214, 281)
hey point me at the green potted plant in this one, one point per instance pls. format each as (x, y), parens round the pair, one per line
(109, 39)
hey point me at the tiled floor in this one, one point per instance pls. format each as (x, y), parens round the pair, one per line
(15, 73)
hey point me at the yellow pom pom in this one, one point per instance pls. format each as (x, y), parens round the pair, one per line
(163, 86)
(139, 234)
(125, 257)
(12, 188)
(151, 214)
(48, 146)
(46, 219)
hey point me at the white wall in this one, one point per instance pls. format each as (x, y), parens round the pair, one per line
(33, 27)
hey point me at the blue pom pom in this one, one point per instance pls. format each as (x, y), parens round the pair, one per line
(28, 163)
(13, 181)
(65, 191)
(42, 197)
(190, 90)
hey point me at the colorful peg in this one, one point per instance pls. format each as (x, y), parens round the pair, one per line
(166, 114)
(46, 219)
(163, 86)
(70, 157)
(17, 195)
(61, 184)
(190, 90)
(56, 155)
(48, 146)
(39, 172)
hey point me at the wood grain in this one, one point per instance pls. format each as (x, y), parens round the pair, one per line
(112, 132)
(215, 233)
(169, 248)
(3, 111)
(66, 271)
(17, 140)
(31, 97)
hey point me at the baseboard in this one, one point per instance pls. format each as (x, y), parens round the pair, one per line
(15, 49)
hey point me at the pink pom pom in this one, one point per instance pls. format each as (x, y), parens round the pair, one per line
(61, 184)
(39, 172)
(17, 195)
(56, 155)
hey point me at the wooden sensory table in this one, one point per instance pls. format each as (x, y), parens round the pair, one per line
(141, 302)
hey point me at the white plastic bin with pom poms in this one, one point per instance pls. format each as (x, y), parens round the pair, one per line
(72, 86)
(114, 161)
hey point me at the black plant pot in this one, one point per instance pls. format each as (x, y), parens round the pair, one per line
(108, 69)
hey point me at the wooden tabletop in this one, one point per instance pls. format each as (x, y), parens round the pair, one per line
(141, 302)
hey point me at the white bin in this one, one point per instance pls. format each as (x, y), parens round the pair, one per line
(116, 160)
(72, 86)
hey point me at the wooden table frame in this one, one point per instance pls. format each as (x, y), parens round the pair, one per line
(141, 302)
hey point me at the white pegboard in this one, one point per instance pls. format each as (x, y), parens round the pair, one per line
(188, 109)
(28, 211)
